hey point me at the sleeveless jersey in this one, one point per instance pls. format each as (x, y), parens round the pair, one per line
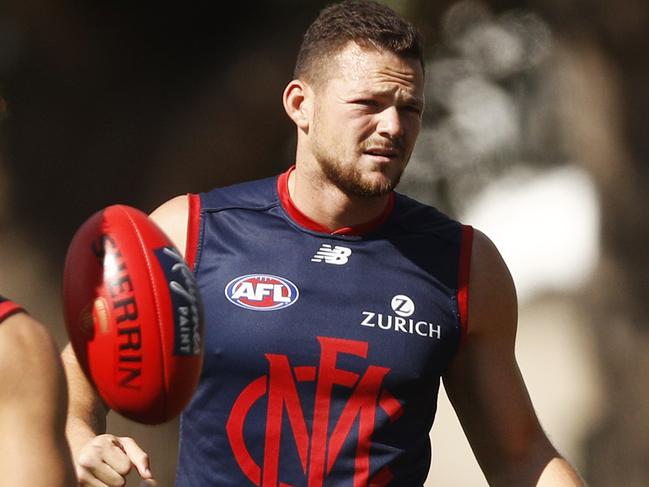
(7, 308)
(323, 352)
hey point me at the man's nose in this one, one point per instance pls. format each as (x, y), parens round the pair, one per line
(389, 124)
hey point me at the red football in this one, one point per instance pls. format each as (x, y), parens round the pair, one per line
(133, 314)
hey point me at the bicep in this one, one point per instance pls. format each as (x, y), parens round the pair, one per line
(30, 367)
(33, 403)
(484, 382)
(489, 396)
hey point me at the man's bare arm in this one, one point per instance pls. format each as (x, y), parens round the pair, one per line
(487, 390)
(33, 402)
(86, 411)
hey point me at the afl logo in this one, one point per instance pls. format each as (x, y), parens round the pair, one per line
(261, 292)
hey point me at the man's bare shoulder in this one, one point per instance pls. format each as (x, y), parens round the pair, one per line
(172, 216)
(492, 295)
(29, 360)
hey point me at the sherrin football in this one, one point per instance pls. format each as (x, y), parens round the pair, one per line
(133, 314)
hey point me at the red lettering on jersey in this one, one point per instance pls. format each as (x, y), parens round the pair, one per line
(318, 451)
(282, 392)
(328, 376)
(362, 404)
(234, 428)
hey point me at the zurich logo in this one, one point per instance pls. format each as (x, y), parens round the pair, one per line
(261, 292)
(403, 305)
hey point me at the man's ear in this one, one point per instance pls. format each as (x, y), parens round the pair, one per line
(298, 103)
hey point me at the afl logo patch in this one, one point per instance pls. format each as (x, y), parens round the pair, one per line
(261, 292)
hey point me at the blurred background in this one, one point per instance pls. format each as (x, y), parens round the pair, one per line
(535, 133)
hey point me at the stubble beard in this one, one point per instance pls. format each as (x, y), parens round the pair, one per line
(349, 179)
(351, 182)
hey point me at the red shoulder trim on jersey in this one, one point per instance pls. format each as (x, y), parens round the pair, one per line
(8, 308)
(193, 229)
(306, 222)
(464, 271)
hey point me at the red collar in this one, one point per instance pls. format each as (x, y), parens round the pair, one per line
(306, 222)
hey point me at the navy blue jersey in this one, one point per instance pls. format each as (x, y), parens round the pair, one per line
(7, 308)
(323, 352)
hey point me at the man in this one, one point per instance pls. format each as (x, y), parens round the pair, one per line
(334, 305)
(33, 402)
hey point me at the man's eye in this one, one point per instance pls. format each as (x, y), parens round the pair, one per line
(368, 103)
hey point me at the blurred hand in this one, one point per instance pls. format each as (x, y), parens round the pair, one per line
(106, 460)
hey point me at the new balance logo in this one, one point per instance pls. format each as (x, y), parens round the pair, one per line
(332, 255)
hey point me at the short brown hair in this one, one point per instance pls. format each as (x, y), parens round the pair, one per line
(365, 22)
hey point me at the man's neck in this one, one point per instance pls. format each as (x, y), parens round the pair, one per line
(324, 203)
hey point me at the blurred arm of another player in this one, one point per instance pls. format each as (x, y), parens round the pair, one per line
(100, 459)
(99, 456)
(33, 402)
(487, 390)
